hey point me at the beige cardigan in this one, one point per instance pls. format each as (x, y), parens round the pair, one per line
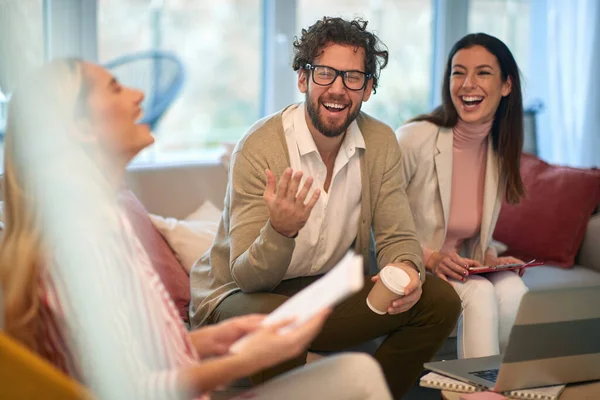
(249, 255)
(427, 179)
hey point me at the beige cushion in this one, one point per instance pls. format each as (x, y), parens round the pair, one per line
(589, 253)
(549, 277)
(177, 190)
(192, 237)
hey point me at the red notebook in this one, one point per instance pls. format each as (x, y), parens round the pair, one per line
(506, 267)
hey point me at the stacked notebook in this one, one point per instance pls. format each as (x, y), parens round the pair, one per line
(437, 381)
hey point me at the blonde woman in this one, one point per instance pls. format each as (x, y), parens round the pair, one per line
(77, 285)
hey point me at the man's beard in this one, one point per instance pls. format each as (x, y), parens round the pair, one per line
(329, 131)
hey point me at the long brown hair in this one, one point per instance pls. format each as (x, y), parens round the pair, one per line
(507, 128)
(22, 248)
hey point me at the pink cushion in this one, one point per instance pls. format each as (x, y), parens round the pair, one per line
(163, 260)
(549, 224)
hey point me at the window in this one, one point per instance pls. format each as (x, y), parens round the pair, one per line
(406, 28)
(219, 43)
(225, 47)
(509, 21)
(21, 48)
(3, 112)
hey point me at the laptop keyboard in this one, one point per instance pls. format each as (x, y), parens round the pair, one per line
(489, 374)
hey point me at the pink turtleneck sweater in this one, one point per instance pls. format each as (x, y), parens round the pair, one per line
(468, 180)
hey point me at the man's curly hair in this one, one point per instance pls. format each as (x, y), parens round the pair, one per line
(339, 31)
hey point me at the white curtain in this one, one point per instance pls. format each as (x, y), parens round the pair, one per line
(21, 40)
(574, 83)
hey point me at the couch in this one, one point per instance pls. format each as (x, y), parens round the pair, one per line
(177, 190)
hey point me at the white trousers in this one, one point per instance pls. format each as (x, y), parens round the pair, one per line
(490, 303)
(350, 376)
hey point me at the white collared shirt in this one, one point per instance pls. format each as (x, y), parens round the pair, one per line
(333, 222)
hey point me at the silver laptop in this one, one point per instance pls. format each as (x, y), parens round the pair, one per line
(555, 340)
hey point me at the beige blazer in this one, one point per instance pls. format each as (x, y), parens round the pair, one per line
(249, 255)
(427, 178)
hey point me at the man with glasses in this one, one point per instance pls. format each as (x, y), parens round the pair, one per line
(306, 185)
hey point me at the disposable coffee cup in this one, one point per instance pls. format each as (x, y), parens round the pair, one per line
(390, 285)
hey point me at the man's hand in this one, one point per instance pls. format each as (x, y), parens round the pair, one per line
(493, 261)
(215, 340)
(450, 266)
(287, 210)
(412, 292)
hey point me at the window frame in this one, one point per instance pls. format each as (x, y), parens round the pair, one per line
(279, 28)
(71, 29)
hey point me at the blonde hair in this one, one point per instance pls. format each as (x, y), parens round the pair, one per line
(47, 102)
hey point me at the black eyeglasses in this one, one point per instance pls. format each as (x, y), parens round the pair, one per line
(325, 76)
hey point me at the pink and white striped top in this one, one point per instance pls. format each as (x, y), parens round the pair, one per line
(154, 325)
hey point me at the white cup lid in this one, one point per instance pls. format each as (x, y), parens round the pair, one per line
(394, 278)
